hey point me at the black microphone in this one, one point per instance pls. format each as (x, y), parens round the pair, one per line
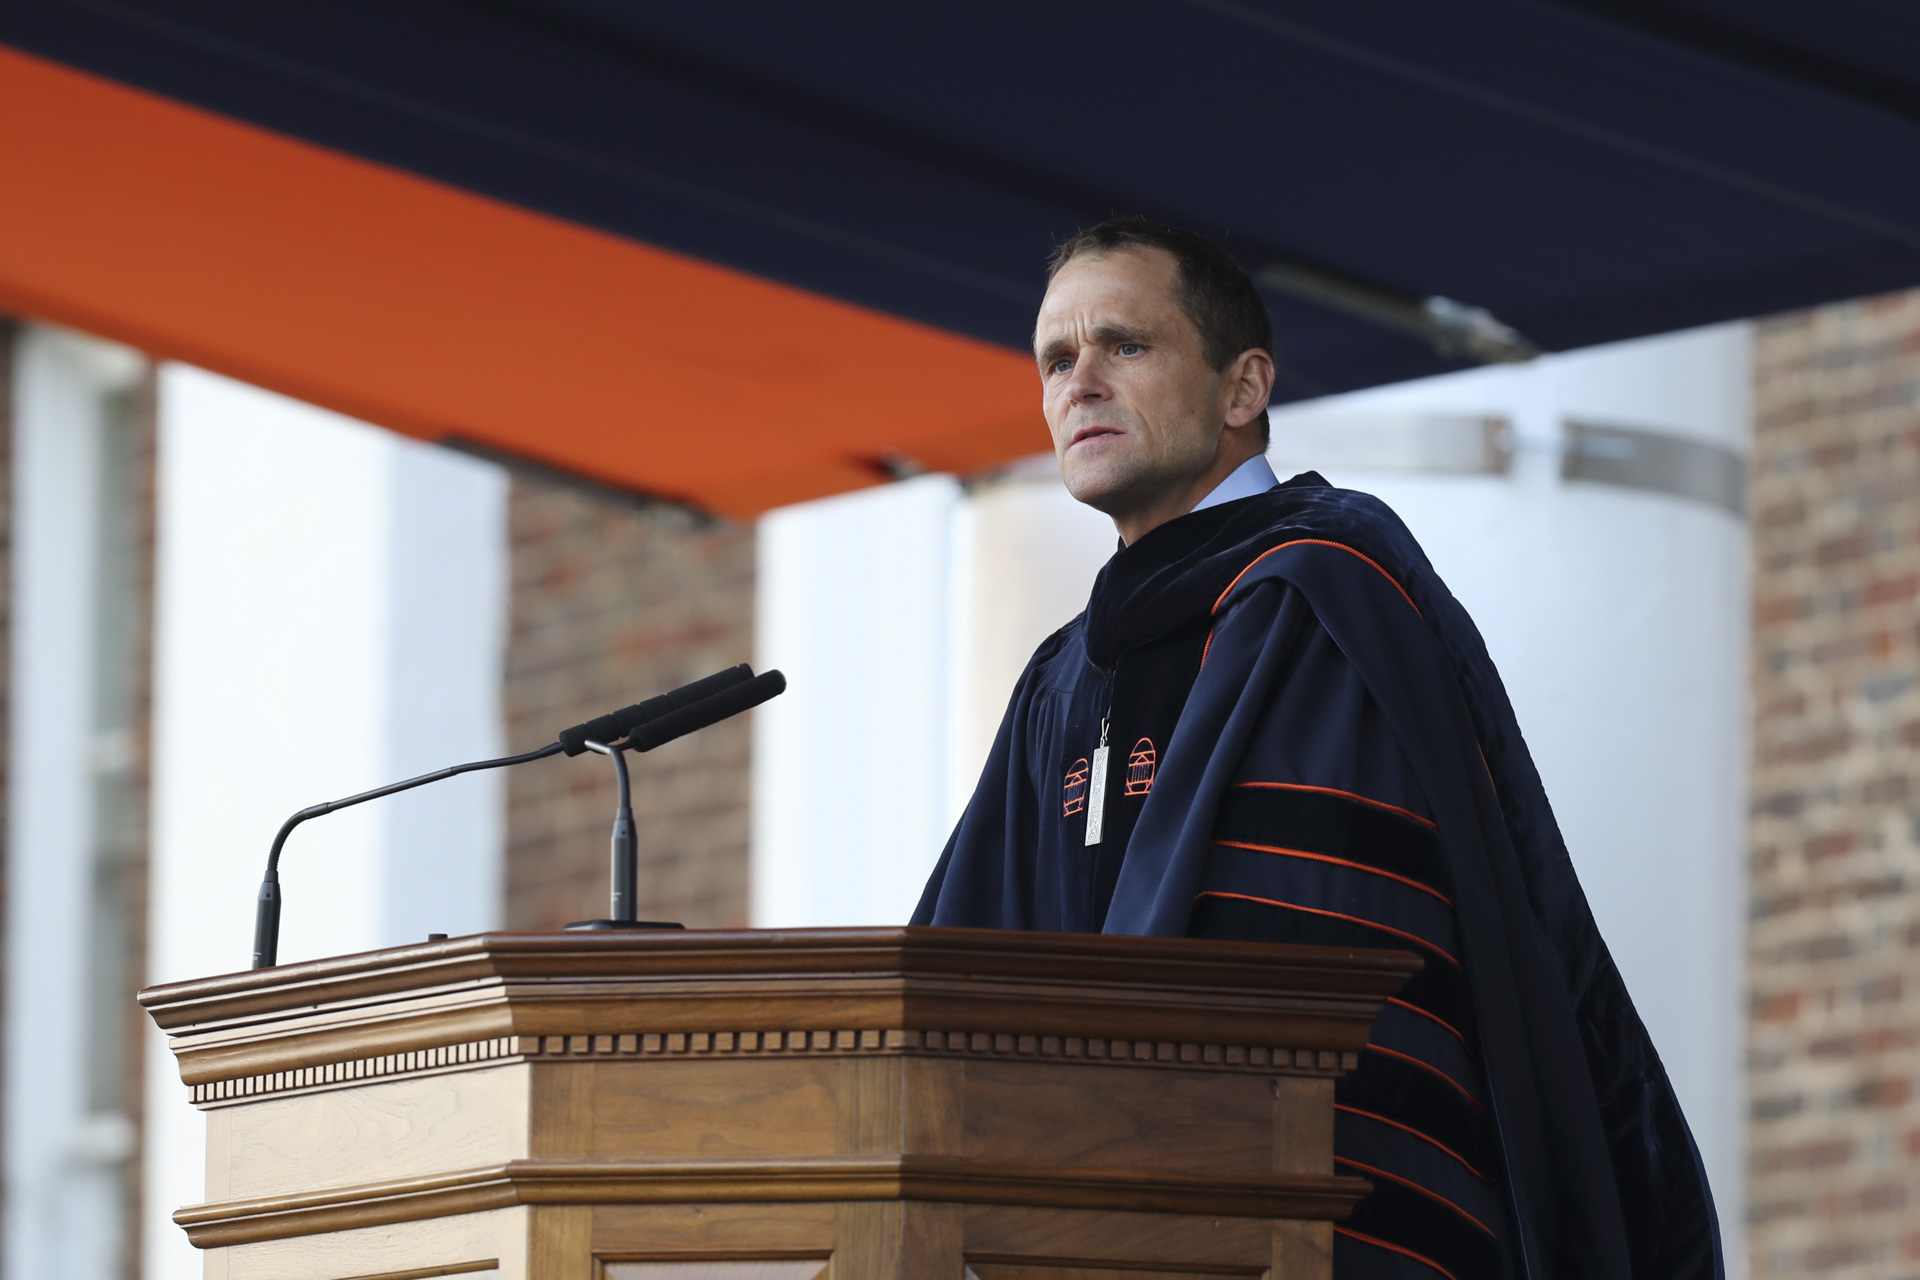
(656, 726)
(710, 710)
(618, 724)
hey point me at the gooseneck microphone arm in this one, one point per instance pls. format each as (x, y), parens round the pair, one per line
(266, 913)
(626, 856)
(640, 727)
(668, 717)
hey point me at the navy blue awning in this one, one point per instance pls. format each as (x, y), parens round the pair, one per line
(1580, 171)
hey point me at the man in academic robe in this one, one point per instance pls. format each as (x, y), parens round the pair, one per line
(1273, 723)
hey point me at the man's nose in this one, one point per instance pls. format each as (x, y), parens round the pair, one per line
(1086, 382)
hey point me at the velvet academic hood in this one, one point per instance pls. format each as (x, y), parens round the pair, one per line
(739, 253)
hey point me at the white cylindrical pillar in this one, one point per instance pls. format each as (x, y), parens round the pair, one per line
(1607, 568)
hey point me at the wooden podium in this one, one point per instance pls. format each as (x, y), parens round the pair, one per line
(914, 1104)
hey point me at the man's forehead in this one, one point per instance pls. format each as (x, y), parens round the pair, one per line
(1120, 288)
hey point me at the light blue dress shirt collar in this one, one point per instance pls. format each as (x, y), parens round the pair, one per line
(1250, 477)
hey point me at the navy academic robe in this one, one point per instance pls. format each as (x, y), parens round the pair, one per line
(1308, 743)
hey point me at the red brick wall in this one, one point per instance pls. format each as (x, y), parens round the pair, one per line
(1834, 961)
(611, 604)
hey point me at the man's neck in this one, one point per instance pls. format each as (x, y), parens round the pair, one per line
(1222, 482)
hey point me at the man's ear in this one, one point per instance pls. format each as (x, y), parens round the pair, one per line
(1249, 382)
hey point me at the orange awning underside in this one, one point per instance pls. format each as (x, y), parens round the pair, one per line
(449, 316)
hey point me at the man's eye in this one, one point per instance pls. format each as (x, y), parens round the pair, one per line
(1063, 366)
(1131, 348)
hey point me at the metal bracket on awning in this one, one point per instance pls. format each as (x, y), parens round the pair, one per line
(1454, 329)
(1656, 461)
(1467, 444)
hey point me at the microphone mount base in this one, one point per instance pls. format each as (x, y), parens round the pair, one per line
(582, 926)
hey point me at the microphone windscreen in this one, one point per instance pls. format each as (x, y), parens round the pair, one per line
(686, 695)
(603, 729)
(616, 725)
(711, 710)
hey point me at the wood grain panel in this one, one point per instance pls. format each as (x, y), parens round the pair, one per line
(869, 1106)
(808, 1269)
(720, 1108)
(561, 1111)
(1085, 1238)
(714, 1230)
(891, 1240)
(1302, 1124)
(401, 1127)
(219, 1157)
(1023, 1271)
(1119, 1117)
(560, 1243)
(932, 1091)
(1302, 1249)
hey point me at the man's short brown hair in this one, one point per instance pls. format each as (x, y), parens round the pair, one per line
(1215, 292)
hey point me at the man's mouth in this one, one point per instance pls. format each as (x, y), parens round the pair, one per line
(1090, 431)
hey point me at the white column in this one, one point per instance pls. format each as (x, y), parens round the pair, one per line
(63, 1153)
(329, 617)
(444, 845)
(849, 784)
(1619, 622)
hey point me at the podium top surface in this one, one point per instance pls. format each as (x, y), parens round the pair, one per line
(650, 957)
(889, 979)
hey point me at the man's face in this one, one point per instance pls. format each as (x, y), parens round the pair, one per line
(1134, 409)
